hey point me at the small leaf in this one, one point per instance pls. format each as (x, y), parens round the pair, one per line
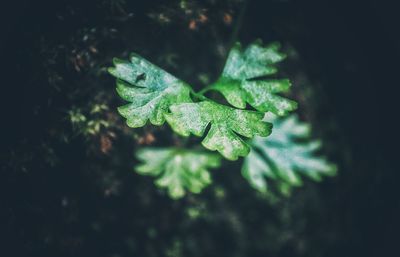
(226, 125)
(150, 90)
(282, 157)
(178, 170)
(241, 81)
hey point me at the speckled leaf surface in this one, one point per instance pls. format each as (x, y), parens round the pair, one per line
(286, 154)
(243, 79)
(178, 170)
(149, 89)
(226, 124)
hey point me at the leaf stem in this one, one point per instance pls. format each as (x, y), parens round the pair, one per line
(200, 95)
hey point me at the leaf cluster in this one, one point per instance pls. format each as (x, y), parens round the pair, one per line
(155, 95)
(234, 129)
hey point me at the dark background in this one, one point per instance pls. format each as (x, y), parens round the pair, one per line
(68, 198)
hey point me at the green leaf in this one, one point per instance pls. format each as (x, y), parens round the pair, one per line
(243, 79)
(150, 90)
(177, 169)
(226, 122)
(284, 155)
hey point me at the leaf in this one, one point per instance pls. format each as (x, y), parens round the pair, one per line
(150, 90)
(284, 155)
(226, 122)
(177, 169)
(242, 80)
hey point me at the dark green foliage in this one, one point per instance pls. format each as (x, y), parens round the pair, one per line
(67, 185)
(156, 95)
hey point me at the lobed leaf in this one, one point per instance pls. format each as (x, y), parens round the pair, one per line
(149, 89)
(242, 80)
(226, 125)
(178, 170)
(283, 157)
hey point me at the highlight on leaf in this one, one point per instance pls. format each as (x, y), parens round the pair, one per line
(243, 79)
(178, 170)
(285, 155)
(226, 123)
(149, 89)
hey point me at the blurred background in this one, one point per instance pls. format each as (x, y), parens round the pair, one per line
(67, 182)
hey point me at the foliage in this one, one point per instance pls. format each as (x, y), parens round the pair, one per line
(150, 90)
(284, 155)
(226, 124)
(243, 79)
(64, 192)
(82, 125)
(177, 169)
(157, 96)
(153, 92)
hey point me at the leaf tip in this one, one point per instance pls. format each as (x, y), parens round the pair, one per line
(134, 56)
(112, 71)
(117, 61)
